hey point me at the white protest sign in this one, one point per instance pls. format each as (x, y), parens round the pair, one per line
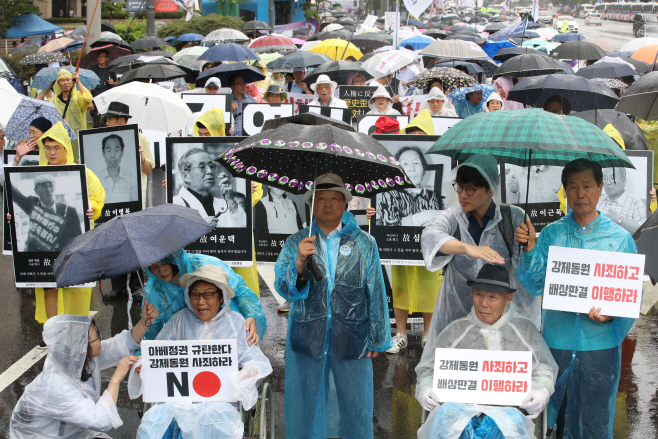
(190, 370)
(370, 20)
(578, 279)
(385, 64)
(298, 99)
(417, 7)
(389, 21)
(443, 124)
(344, 114)
(414, 108)
(169, 85)
(202, 102)
(366, 124)
(255, 115)
(473, 376)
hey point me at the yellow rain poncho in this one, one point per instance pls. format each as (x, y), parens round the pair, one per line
(213, 120)
(76, 114)
(265, 83)
(423, 121)
(650, 130)
(69, 300)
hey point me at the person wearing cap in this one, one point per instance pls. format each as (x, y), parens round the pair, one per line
(586, 347)
(336, 324)
(297, 85)
(381, 103)
(213, 85)
(493, 323)
(275, 94)
(208, 316)
(324, 89)
(437, 104)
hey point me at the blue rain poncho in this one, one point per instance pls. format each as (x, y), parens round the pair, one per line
(331, 326)
(512, 332)
(169, 298)
(208, 420)
(575, 335)
(58, 404)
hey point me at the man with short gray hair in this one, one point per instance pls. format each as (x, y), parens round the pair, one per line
(617, 204)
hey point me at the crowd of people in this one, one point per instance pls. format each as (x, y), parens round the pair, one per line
(480, 286)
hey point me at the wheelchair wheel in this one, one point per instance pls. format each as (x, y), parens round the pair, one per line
(266, 419)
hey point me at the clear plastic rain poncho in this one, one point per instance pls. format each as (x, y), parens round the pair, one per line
(512, 332)
(209, 420)
(575, 336)
(58, 404)
(169, 298)
(331, 326)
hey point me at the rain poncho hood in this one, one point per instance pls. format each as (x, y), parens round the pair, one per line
(463, 105)
(213, 120)
(381, 93)
(614, 134)
(76, 114)
(332, 324)
(494, 97)
(422, 121)
(436, 93)
(59, 134)
(58, 403)
(504, 83)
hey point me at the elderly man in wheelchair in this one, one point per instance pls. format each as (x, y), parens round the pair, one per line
(493, 324)
(208, 317)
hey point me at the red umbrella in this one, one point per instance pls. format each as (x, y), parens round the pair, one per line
(272, 43)
(113, 52)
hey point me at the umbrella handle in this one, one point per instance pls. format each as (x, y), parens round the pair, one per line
(84, 43)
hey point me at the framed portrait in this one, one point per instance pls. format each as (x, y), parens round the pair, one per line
(197, 181)
(112, 154)
(30, 159)
(47, 206)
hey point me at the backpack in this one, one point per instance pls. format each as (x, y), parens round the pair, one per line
(505, 226)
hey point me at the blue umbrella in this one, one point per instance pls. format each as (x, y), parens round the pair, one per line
(414, 22)
(620, 54)
(190, 37)
(29, 109)
(47, 76)
(170, 40)
(459, 94)
(76, 45)
(566, 37)
(128, 243)
(226, 71)
(418, 42)
(228, 52)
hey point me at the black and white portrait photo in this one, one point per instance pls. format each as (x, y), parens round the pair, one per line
(545, 182)
(29, 159)
(279, 212)
(112, 154)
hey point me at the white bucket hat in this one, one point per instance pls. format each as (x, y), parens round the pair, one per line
(380, 93)
(208, 273)
(324, 79)
(328, 182)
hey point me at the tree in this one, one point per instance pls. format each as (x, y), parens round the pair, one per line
(200, 25)
(11, 8)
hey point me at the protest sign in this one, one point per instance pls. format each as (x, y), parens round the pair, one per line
(196, 181)
(202, 102)
(366, 123)
(473, 376)
(389, 21)
(189, 370)
(402, 214)
(167, 85)
(30, 159)
(370, 21)
(414, 108)
(47, 207)
(135, 6)
(579, 279)
(112, 153)
(356, 97)
(298, 99)
(344, 114)
(255, 115)
(443, 124)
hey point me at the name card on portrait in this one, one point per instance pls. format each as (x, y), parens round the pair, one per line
(344, 114)
(189, 370)
(255, 115)
(443, 124)
(202, 102)
(366, 123)
(473, 376)
(579, 279)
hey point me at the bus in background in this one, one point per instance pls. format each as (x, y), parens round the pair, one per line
(648, 8)
(626, 12)
(600, 9)
(585, 10)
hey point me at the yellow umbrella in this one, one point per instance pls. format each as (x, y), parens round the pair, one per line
(335, 47)
(56, 44)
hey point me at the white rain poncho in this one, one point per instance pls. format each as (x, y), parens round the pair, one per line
(512, 332)
(381, 93)
(455, 300)
(58, 404)
(209, 420)
(448, 110)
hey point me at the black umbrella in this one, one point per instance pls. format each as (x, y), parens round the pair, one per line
(646, 238)
(128, 243)
(528, 65)
(469, 66)
(256, 25)
(128, 58)
(105, 41)
(510, 52)
(337, 71)
(632, 135)
(477, 40)
(106, 26)
(226, 71)
(298, 58)
(153, 73)
(346, 21)
(307, 119)
(301, 31)
(149, 43)
(371, 40)
(640, 99)
(640, 66)
(606, 70)
(578, 50)
(494, 27)
(582, 94)
(434, 33)
(500, 19)
(341, 34)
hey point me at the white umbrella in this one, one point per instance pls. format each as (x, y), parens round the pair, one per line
(226, 36)
(10, 98)
(638, 43)
(615, 59)
(387, 63)
(310, 45)
(189, 57)
(332, 27)
(152, 107)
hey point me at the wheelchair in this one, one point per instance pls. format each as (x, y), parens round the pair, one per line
(259, 422)
(543, 421)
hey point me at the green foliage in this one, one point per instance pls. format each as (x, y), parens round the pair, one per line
(64, 20)
(11, 8)
(135, 31)
(200, 25)
(113, 10)
(310, 12)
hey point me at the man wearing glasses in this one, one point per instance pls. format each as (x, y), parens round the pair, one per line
(198, 171)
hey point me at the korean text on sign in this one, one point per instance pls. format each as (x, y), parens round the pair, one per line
(578, 279)
(482, 377)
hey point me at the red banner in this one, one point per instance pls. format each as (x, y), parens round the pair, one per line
(165, 6)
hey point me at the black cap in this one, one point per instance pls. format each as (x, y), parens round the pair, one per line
(492, 278)
(118, 109)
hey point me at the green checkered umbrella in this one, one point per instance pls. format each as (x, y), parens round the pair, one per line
(530, 137)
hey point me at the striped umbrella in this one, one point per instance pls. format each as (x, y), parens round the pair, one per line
(455, 49)
(56, 44)
(272, 43)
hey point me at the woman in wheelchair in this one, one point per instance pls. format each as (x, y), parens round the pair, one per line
(208, 317)
(493, 324)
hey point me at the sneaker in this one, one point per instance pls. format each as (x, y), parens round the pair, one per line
(423, 341)
(284, 307)
(114, 294)
(399, 343)
(42, 345)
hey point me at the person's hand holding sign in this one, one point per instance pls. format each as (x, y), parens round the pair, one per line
(595, 314)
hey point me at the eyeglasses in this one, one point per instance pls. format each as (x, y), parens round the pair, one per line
(207, 295)
(203, 167)
(52, 148)
(611, 180)
(99, 333)
(469, 190)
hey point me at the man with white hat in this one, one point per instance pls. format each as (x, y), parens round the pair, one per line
(324, 89)
(212, 86)
(338, 320)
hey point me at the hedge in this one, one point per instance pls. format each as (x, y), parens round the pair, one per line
(200, 25)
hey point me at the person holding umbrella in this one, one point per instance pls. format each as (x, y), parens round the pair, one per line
(324, 89)
(240, 97)
(587, 348)
(336, 324)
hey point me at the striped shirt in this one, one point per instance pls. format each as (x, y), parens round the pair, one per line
(626, 206)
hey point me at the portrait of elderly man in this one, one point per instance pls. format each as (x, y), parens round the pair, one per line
(119, 183)
(492, 324)
(617, 204)
(199, 174)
